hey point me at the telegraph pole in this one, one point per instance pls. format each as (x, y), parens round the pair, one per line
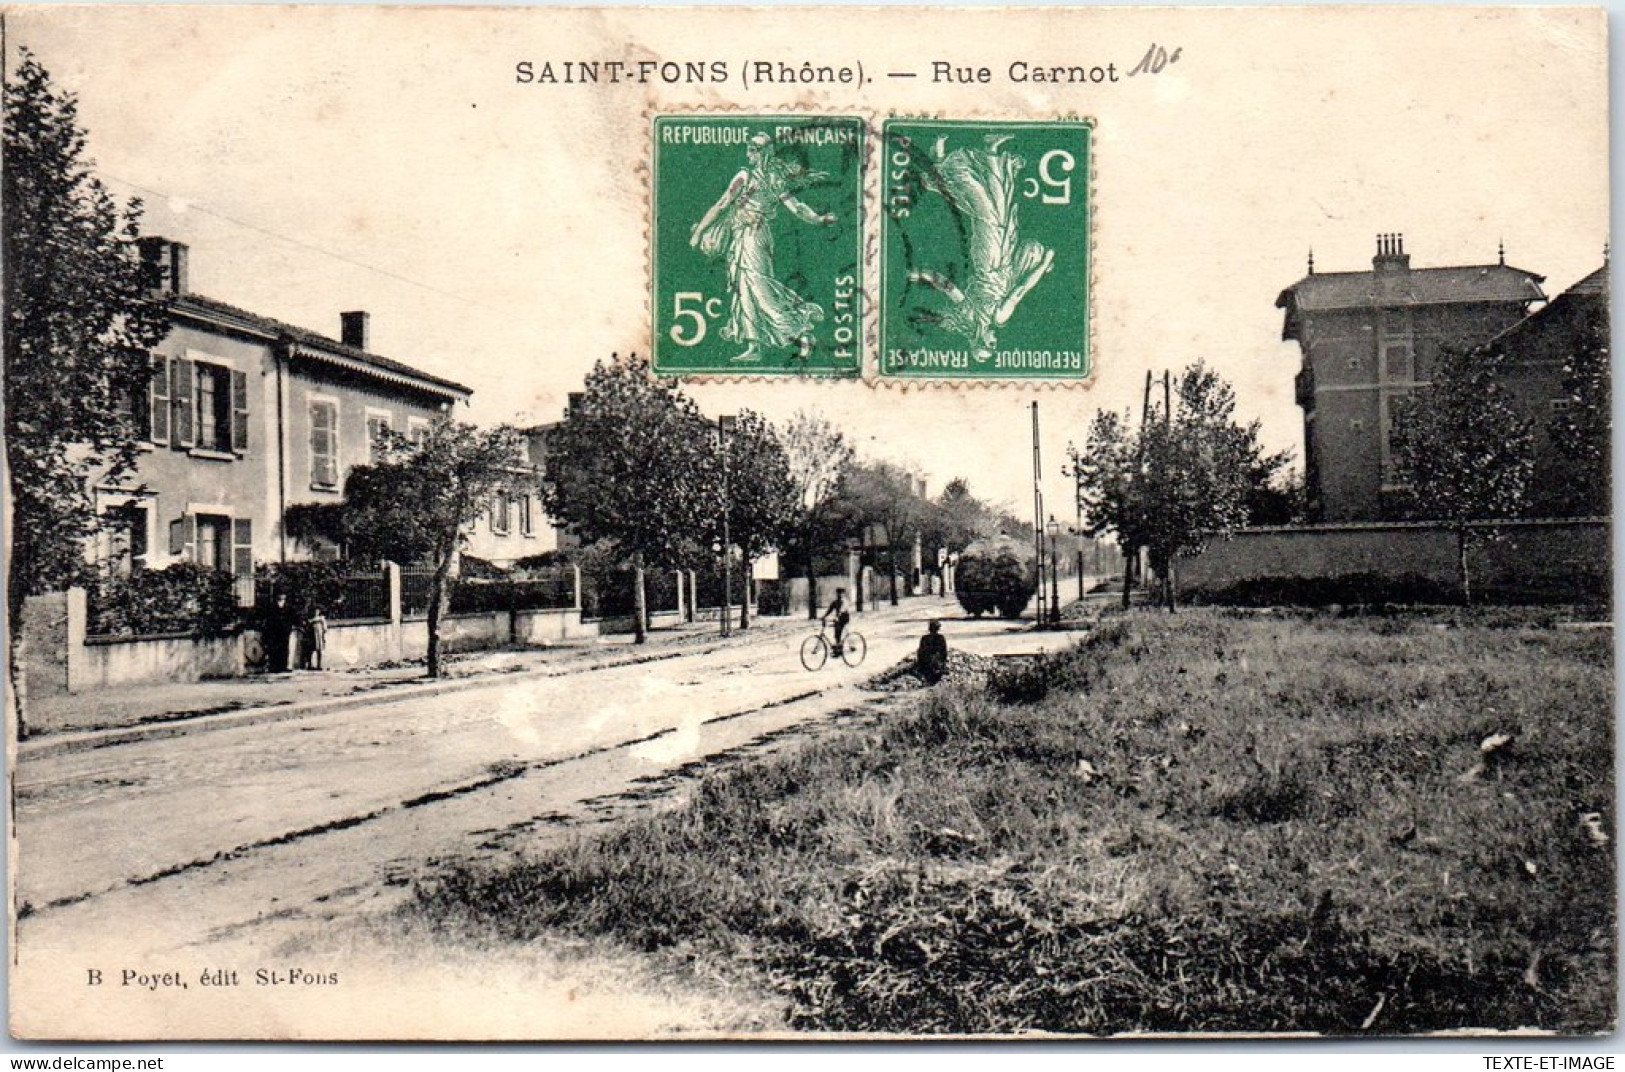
(1038, 518)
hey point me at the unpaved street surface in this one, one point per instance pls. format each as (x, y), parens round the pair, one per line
(225, 846)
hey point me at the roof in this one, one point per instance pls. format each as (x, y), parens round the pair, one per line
(1419, 286)
(319, 347)
(1593, 288)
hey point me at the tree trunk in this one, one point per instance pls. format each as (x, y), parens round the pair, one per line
(640, 603)
(439, 597)
(1128, 573)
(744, 591)
(16, 654)
(1461, 566)
(1168, 583)
(891, 564)
(812, 591)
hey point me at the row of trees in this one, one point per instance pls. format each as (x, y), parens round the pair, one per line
(636, 466)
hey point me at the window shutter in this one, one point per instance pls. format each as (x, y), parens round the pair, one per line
(323, 444)
(158, 399)
(239, 411)
(242, 547)
(183, 537)
(184, 396)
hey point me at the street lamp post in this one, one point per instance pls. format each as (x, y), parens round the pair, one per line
(725, 427)
(1054, 530)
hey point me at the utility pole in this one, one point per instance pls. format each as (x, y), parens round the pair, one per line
(1038, 518)
(725, 425)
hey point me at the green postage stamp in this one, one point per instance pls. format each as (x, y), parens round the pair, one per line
(757, 258)
(984, 250)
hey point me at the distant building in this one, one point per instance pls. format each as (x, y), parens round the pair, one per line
(246, 417)
(1370, 338)
(1539, 347)
(512, 527)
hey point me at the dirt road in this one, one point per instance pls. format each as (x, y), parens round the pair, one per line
(191, 849)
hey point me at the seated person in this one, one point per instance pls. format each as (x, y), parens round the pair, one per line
(932, 660)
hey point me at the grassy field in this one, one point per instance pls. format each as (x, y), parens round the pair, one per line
(1215, 821)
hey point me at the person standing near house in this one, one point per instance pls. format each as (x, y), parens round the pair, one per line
(277, 623)
(842, 616)
(315, 640)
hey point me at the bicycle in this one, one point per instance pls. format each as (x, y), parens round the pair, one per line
(815, 650)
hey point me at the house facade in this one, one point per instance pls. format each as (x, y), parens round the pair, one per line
(1368, 339)
(246, 417)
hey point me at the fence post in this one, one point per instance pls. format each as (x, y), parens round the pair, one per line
(693, 596)
(575, 572)
(392, 578)
(680, 612)
(78, 626)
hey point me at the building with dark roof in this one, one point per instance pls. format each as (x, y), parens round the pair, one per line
(1549, 354)
(1370, 338)
(248, 417)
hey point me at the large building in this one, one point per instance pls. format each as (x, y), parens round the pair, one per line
(1370, 338)
(248, 417)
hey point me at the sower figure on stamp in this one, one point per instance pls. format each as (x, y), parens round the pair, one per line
(762, 311)
(837, 608)
(981, 186)
(931, 661)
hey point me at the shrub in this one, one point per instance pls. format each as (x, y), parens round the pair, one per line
(997, 575)
(309, 585)
(772, 598)
(183, 598)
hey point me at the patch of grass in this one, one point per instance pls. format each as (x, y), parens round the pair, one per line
(1206, 822)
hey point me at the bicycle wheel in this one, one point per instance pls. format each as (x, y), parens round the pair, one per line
(814, 652)
(853, 648)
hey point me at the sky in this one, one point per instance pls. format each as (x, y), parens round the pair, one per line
(320, 160)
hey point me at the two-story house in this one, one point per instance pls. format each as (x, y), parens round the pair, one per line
(245, 417)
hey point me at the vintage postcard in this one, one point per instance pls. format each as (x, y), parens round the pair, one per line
(808, 522)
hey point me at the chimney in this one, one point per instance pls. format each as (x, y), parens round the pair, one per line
(354, 331)
(1391, 255)
(165, 264)
(573, 402)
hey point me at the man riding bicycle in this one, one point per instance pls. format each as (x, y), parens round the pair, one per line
(838, 608)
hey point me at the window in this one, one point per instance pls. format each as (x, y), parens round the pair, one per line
(1562, 405)
(1394, 403)
(377, 425)
(126, 529)
(212, 548)
(213, 407)
(527, 520)
(1397, 362)
(324, 443)
(417, 430)
(499, 513)
(216, 541)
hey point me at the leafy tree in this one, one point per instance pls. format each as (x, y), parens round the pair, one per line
(632, 462)
(1464, 449)
(818, 457)
(1581, 432)
(760, 494)
(416, 504)
(79, 321)
(886, 496)
(1178, 481)
(956, 519)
